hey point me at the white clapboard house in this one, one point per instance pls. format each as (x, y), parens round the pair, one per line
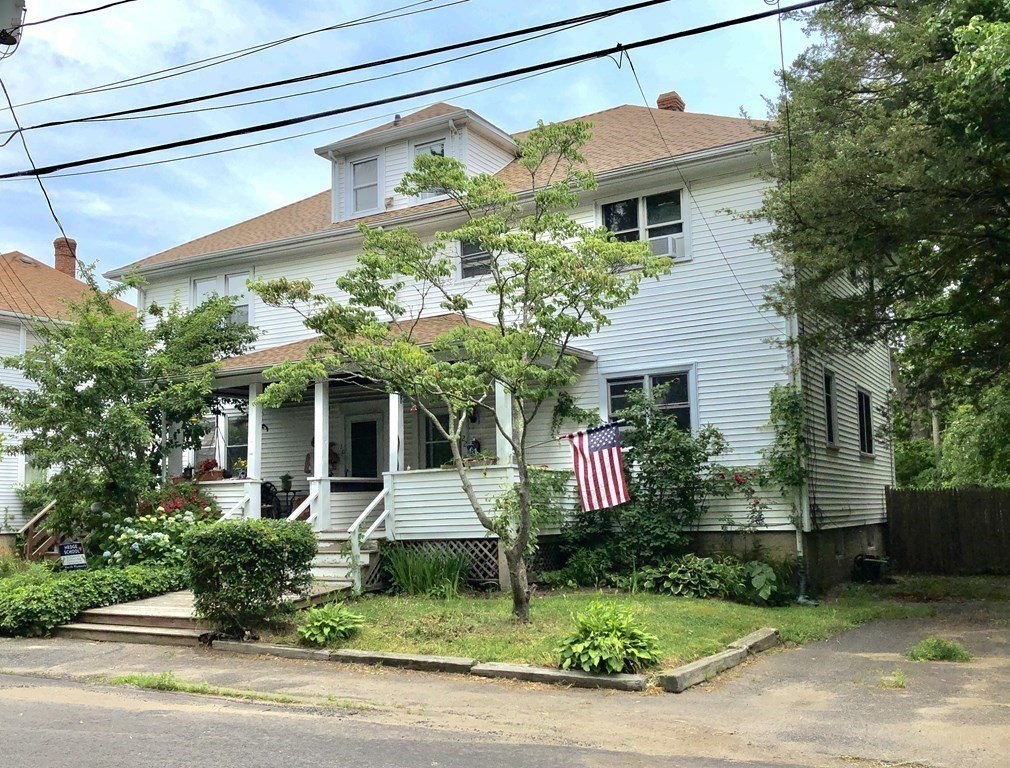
(30, 293)
(702, 327)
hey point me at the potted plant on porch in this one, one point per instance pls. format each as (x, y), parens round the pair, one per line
(208, 470)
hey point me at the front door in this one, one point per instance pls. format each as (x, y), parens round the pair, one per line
(364, 446)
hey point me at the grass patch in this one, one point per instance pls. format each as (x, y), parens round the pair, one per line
(167, 681)
(934, 589)
(894, 681)
(482, 627)
(938, 649)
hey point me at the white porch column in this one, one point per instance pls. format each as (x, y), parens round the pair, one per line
(395, 459)
(321, 455)
(221, 440)
(395, 433)
(254, 457)
(503, 405)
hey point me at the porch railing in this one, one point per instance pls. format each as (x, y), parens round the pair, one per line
(357, 539)
(305, 511)
(38, 540)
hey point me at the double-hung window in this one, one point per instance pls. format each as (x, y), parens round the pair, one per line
(865, 412)
(658, 219)
(234, 285)
(365, 185)
(238, 439)
(437, 448)
(435, 148)
(676, 398)
(473, 260)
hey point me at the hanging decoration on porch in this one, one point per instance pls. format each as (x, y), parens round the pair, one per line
(599, 470)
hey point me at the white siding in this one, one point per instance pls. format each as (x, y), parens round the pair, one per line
(705, 316)
(430, 504)
(483, 155)
(11, 466)
(846, 486)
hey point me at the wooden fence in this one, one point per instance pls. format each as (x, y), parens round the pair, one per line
(949, 531)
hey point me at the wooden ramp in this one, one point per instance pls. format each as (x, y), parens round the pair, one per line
(163, 620)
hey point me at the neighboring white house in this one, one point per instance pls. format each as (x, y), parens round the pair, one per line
(676, 178)
(30, 292)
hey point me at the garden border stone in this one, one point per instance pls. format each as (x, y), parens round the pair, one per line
(269, 649)
(454, 664)
(680, 679)
(573, 677)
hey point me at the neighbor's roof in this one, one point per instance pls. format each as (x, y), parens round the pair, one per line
(29, 287)
(423, 330)
(622, 136)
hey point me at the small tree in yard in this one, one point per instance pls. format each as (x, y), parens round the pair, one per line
(550, 281)
(113, 395)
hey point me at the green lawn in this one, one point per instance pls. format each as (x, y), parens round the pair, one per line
(481, 627)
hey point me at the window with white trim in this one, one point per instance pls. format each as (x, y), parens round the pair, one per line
(437, 448)
(435, 148)
(237, 439)
(676, 401)
(830, 410)
(658, 219)
(208, 442)
(234, 284)
(365, 185)
(474, 261)
(865, 412)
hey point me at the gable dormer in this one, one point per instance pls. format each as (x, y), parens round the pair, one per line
(367, 167)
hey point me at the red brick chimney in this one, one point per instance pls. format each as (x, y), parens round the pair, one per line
(66, 255)
(670, 101)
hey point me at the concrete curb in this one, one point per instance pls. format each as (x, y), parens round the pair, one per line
(573, 677)
(680, 679)
(453, 664)
(267, 649)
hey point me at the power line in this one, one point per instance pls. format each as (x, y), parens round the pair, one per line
(327, 129)
(590, 55)
(45, 194)
(598, 15)
(694, 202)
(77, 13)
(223, 58)
(398, 73)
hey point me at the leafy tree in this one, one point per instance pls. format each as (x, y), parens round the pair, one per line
(112, 395)
(890, 212)
(976, 451)
(551, 281)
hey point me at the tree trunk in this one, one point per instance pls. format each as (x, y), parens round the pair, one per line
(520, 585)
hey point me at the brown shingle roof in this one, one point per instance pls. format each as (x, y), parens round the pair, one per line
(622, 136)
(435, 110)
(424, 331)
(29, 287)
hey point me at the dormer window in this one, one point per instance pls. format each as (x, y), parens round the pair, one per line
(435, 147)
(365, 185)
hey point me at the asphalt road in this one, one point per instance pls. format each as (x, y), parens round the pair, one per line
(63, 723)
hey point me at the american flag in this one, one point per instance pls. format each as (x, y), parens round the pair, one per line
(599, 471)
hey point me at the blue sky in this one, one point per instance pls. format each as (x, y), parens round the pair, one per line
(121, 216)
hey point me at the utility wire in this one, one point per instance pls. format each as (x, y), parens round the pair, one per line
(223, 58)
(45, 194)
(694, 203)
(588, 56)
(357, 67)
(398, 73)
(327, 129)
(77, 13)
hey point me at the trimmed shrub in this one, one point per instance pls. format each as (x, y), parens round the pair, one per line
(244, 572)
(328, 624)
(414, 571)
(608, 640)
(35, 609)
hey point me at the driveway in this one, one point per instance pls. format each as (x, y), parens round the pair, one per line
(818, 705)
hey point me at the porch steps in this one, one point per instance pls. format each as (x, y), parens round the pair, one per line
(164, 620)
(332, 564)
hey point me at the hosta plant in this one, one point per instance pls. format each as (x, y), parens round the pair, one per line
(328, 624)
(608, 640)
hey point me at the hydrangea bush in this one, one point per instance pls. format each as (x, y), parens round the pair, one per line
(154, 539)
